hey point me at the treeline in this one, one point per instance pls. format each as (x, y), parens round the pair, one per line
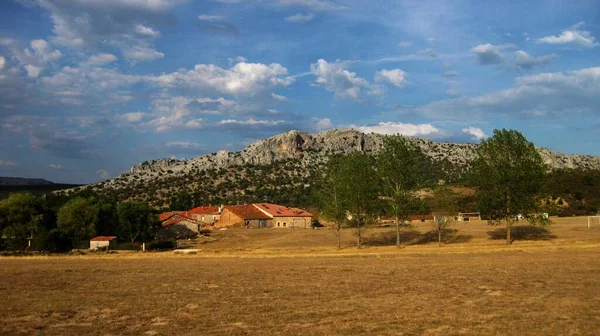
(57, 224)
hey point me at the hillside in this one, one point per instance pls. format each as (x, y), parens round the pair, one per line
(22, 181)
(283, 169)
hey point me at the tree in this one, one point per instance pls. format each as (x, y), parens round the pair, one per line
(401, 167)
(137, 220)
(78, 218)
(508, 175)
(357, 185)
(331, 207)
(445, 206)
(23, 216)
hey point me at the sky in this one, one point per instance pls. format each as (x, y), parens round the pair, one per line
(89, 88)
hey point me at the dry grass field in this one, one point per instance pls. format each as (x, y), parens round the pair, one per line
(275, 282)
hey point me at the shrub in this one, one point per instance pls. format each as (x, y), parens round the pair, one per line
(162, 244)
(54, 241)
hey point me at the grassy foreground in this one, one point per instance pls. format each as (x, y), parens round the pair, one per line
(257, 286)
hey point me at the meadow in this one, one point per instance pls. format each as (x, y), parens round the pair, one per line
(296, 282)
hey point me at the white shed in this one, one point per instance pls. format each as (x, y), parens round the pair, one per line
(109, 242)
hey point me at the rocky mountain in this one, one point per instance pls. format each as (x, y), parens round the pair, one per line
(287, 160)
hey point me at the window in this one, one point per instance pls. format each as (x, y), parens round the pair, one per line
(278, 223)
(284, 224)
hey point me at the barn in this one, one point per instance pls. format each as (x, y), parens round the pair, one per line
(285, 217)
(243, 216)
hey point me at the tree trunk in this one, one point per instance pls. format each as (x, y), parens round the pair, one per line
(439, 237)
(339, 233)
(397, 232)
(359, 240)
(508, 229)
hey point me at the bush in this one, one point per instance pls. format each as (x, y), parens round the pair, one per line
(162, 244)
(54, 241)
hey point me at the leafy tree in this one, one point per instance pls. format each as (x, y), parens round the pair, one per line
(182, 202)
(357, 184)
(445, 206)
(401, 167)
(137, 220)
(330, 202)
(22, 216)
(508, 174)
(78, 218)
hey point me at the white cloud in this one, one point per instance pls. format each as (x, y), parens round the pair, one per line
(243, 79)
(526, 61)
(427, 52)
(184, 146)
(317, 5)
(541, 95)
(278, 97)
(146, 31)
(102, 58)
(33, 71)
(391, 128)
(335, 78)
(404, 44)
(490, 54)
(132, 117)
(300, 18)
(452, 92)
(322, 124)
(141, 53)
(451, 74)
(252, 122)
(55, 166)
(572, 36)
(476, 132)
(2, 62)
(103, 173)
(7, 163)
(42, 52)
(395, 77)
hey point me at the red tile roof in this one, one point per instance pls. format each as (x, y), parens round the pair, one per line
(204, 210)
(103, 238)
(275, 210)
(247, 212)
(166, 215)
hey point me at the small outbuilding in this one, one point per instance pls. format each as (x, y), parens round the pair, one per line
(108, 242)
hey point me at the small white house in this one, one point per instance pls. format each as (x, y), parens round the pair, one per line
(109, 242)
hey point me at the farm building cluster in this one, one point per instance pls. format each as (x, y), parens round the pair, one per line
(258, 215)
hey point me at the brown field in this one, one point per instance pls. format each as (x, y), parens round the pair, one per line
(294, 282)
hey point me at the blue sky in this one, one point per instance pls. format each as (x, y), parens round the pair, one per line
(90, 87)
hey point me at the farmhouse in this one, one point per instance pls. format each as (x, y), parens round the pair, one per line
(103, 242)
(468, 216)
(285, 217)
(243, 216)
(206, 214)
(178, 225)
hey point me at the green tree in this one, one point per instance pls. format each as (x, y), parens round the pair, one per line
(401, 167)
(445, 207)
(137, 221)
(508, 175)
(23, 216)
(357, 183)
(329, 196)
(78, 218)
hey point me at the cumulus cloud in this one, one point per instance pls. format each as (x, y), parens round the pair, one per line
(526, 61)
(391, 128)
(490, 54)
(475, 132)
(32, 70)
(335, 78)
(572, 36)
(322, 124)
(102, 58)
(42, 52)
(132, 117)
(243, 79)
(124, 24)
(396, 77)
(103, 174)
(452, 92)
(300, 18)
(541, 95)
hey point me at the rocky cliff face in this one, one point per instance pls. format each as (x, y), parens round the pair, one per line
(311, 149)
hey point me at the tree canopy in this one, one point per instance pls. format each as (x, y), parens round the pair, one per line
(137, 221)
(508, 175)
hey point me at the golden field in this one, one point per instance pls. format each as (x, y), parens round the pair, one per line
(295, 282)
